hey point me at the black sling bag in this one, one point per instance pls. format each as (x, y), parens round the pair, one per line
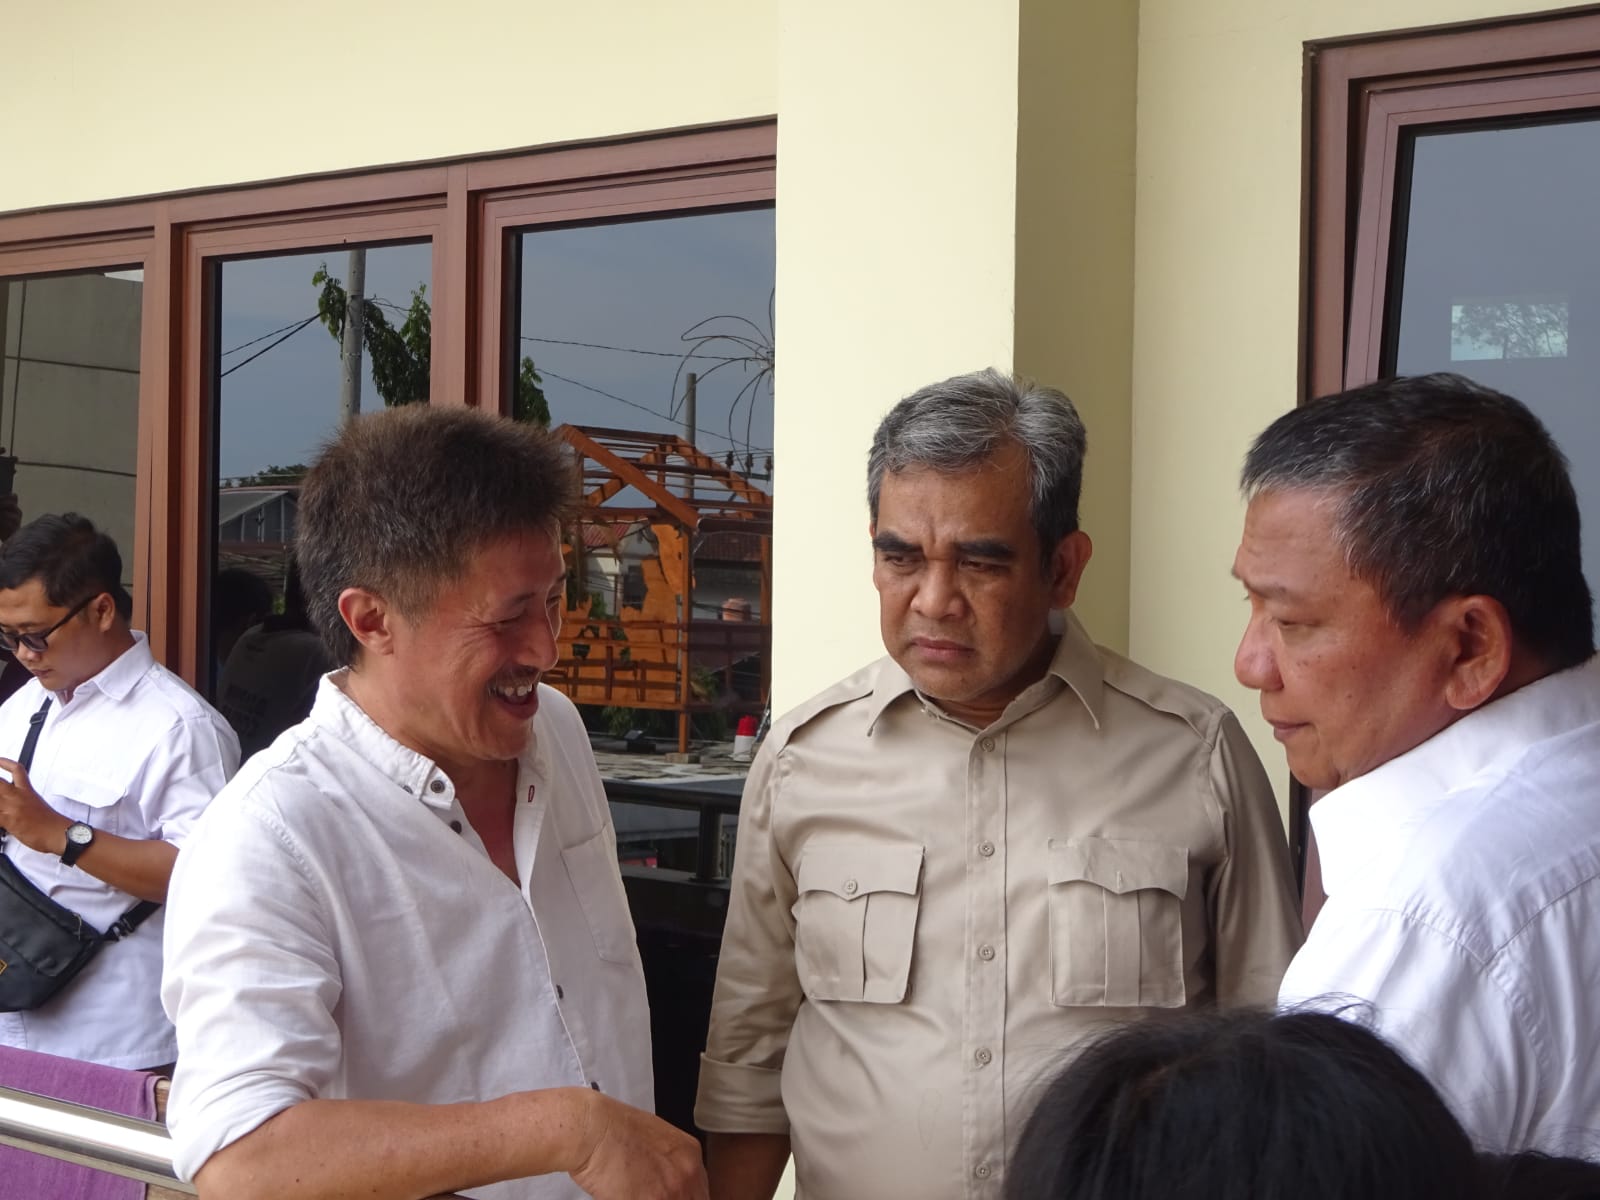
(43, 945)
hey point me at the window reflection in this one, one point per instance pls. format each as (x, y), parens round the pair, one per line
(69, 397)
(1499, 278)
(282, 393)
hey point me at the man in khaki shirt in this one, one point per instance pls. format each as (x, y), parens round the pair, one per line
(959, 861)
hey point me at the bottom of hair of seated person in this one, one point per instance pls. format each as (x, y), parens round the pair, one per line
(1242, 1105)
(1533, 1176)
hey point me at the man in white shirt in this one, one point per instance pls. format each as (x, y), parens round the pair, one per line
(401, 961)
(127, 757)
(1422, 638)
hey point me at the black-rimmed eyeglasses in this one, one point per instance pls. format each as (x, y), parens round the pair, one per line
(40, 642)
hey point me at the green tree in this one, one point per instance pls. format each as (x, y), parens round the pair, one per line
(273, 476)
(402, 357)
(529, 404)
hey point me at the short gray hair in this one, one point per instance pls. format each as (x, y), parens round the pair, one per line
(958, 423)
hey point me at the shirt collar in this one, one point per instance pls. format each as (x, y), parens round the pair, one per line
(118, 677)
(414, 773)
(1374, 812)
(1075, 663)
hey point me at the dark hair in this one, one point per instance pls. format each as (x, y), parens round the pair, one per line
(399, 500)
(1531, 1176)
(70, 557)
(1241, 1106)
(239, 594)
(1441, 488)
(294, 614)
(959, 422)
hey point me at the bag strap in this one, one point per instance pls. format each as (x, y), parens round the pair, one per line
(35, 724)
(25, 759)
(135, 916)
(130, 920)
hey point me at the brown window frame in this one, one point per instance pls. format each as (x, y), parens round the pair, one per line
(467, 208)
(1363, 95)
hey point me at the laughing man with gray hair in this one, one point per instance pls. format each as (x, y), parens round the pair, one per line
(963, 858)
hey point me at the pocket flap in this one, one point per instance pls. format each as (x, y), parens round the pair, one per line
(1120, 865)
(88, 792)
(859, 869)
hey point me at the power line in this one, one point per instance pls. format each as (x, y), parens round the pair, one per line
(262, 338)
(270, 346)
(635, 350)
(641, 407)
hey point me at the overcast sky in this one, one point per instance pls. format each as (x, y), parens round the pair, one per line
(635, 286)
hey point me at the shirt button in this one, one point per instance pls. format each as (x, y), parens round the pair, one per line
(981, 1170)
(560, 995)
(436, 786)
(987, 743)
(407, 789)
(986, 953)
(986, 849)
(594, 1085)
(851, 887)
(456, 825)
(983, 1057)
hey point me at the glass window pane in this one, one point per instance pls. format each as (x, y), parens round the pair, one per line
(640, 333)
(69, 396)
(1500, 278)
(280, 396)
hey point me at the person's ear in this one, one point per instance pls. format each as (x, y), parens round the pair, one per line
(103, 612)
(1065, 568)
(370, 618)
(1479, 642)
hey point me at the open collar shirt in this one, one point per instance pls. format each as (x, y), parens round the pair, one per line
(134, 752)
(926, 917)
(339, 932)
(1463, 883)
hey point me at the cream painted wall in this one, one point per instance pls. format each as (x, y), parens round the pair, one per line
(1074, 258)
(896, 233)
(102, 100)
(1217, 298)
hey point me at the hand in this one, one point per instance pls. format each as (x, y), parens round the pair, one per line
(26, 817)
(627, 1154)
(10, 515)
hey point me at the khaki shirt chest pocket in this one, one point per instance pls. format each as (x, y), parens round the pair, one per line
(856, 919)
(1116, 922)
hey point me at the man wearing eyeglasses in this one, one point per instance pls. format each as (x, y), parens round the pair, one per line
(126, 759)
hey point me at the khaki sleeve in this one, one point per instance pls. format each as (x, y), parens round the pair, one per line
(758, 989)
(1255, 915)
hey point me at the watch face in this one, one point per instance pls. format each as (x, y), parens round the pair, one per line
(80, 833)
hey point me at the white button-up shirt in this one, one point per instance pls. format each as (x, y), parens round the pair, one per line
(136, 753)
(339, 932)
(1463, 883)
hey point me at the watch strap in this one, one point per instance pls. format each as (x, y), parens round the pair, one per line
(69, 856)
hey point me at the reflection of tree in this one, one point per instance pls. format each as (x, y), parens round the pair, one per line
(273, 476)
(402, 357)
(1518, 329)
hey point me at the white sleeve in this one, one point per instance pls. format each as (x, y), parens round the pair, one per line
(184, 773)
(1436, 1002)
(250, 981)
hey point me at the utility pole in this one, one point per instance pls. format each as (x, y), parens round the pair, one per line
(690, 381)
(354, 327)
